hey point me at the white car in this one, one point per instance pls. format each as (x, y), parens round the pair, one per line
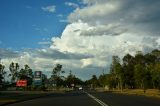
(80, 88)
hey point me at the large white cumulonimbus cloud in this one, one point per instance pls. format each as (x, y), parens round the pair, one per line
(110, 27)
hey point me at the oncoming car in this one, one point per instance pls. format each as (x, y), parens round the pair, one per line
(80, 88)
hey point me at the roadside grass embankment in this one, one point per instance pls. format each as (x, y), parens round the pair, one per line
(148, 92)
(9, 97)
(14, 96)
(139, 92)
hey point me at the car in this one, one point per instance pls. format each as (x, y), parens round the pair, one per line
(80, 88)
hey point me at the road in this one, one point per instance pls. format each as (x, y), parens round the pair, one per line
(79, 98)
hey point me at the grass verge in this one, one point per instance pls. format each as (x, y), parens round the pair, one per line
(14, 97)
(148, 93)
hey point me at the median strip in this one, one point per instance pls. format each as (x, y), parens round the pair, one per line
(97, 100)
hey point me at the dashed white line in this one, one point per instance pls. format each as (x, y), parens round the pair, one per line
(97, 100)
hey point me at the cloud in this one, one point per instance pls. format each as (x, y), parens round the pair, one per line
(130, 14)
(91, 13)
(99, 30)
(45, 59)
(60, 15)
(6, 53)
(103, 48)
(63, 20)
(55, 54)
(71, 4)
(50, 9)
(44, 43)
(90, 2)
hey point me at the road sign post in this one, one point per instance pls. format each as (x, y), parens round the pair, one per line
(37, 80)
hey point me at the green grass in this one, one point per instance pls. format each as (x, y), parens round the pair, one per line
(149, 92)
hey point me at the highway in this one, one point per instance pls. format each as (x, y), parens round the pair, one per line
(80, 98)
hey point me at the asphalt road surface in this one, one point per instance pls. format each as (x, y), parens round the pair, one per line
(80, 98)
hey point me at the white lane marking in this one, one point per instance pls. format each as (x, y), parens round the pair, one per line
(97, 100)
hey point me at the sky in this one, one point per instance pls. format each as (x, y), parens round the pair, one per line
(82, 35)
(30, 23)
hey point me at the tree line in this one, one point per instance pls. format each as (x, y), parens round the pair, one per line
(141, 71)
(57, 79)
(15, 74)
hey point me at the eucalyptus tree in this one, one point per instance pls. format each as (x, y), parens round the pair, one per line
(117, 72)
(26, 74)
(2, 73)
(94, 81)
(14, 67)
(155, 74)
(56, 75)
(103, 80)
(128, 69)
(72, 79)
(141, 76)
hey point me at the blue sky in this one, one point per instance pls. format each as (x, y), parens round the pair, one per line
(23, 23)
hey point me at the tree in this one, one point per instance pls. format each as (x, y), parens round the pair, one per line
(141, 76)
(139, 59)
(56, 75)
(72, 79)
(128, 69)
(94, 81)
(111, 78)
(14, 71)
(140, 71)
(111, 81)
(150, 58)
(155, 74)
(26, 74)
(2, 73)
(117, 72)
(156, 53)
(103, 80)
